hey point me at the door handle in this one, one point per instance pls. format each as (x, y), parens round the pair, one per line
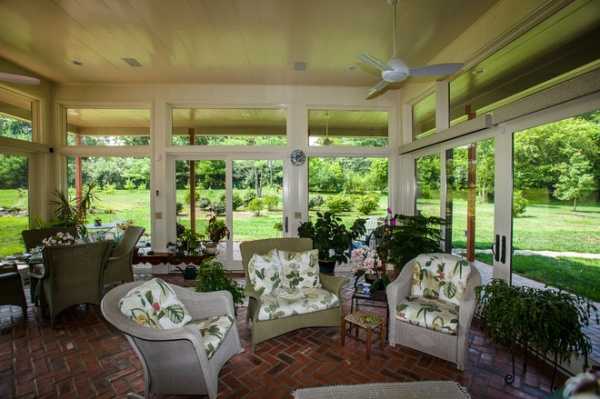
(286, 224)
(495, 247)
(503, 250)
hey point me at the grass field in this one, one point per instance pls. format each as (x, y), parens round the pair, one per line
(552, 227)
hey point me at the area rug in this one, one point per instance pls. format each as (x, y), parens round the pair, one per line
(389, 390)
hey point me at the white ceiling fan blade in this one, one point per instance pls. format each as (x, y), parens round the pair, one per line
(25, 80)
(435, 70)
(374, 62)
(377, 88)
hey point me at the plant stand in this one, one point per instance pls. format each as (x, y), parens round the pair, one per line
(510, 377)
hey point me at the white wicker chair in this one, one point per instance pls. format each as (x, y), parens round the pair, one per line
(174, 360)
(450, 347)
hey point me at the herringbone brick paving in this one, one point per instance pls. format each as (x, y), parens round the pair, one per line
(85, 357)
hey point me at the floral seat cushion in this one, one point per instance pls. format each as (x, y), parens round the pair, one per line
(213, 331)
(435, 315)
(290, 301)
(154, 304)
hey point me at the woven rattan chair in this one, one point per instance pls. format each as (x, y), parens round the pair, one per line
(32, 238)
(263, 330)
(119, 266)
(11, 287)
(74, 275)
(450, 347)
(175, 360)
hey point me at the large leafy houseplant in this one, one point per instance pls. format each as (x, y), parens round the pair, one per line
(547, 320)
(408, 237)
(212, 276)
(331, 237)
(217, 230)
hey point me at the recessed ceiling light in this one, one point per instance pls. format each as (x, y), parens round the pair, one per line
(300, 66)
(78, 63)
(245, 114)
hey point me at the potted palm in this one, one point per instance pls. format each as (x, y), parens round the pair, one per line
(216, 231)
(331, 238)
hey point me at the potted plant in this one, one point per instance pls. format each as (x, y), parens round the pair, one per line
(405, 237)
(366, 262)
(216, 231)
(548, 320)
(331, 238)
(212, 276)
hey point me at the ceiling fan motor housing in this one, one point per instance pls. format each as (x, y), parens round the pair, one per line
(399, 73)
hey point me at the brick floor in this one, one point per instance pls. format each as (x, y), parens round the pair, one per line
(85, 357)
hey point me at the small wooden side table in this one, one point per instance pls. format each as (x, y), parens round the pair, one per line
(374, 325)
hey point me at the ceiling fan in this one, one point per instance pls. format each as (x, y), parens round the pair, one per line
(396, 70)
(21, 79)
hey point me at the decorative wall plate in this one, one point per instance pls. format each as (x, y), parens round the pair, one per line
(298, 157)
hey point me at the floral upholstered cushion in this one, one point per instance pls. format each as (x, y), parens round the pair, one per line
(154, 304)
(453, 284)
(433, 314)
(213, 330)
(300, 269)
(264, 272)
(312, 300)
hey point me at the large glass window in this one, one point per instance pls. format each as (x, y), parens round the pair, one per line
(228, 127)
(15, 117)
(423, 117)
(122, 188)
(108, 127)
(14, 203)
(351, 128)
(348, 187)
(558, 49)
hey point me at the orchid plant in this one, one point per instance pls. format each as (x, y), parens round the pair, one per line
(365, 260)
(60, 238)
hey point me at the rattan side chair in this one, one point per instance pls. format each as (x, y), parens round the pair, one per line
(73, 274)
(119, 266)
(174, 360)
(32, 238)
(11, 287)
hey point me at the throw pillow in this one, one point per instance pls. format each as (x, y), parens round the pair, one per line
(453, 282)
(300, 269)
(264, 272)
(154, 304)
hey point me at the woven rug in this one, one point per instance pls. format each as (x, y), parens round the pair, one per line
(389, 390)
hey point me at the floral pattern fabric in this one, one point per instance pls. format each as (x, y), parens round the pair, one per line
(154, 304)
(300, 269)
(432, 314)
(264, 272)
(440, 276)
(213, 331)
(311, 300)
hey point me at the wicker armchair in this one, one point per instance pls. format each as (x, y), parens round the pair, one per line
(11, 287)
(448, 346)
(74, 274)
(32, 238)
(119, 266)
(263, 330)
(175, 360)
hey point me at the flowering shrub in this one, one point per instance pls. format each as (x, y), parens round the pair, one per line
(60, 238)
(365, 261)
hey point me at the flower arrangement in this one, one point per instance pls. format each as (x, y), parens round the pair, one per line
(365, 260)
(60, 238)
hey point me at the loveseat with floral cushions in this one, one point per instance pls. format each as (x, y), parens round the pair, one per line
(285, 289)
(431, 306)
